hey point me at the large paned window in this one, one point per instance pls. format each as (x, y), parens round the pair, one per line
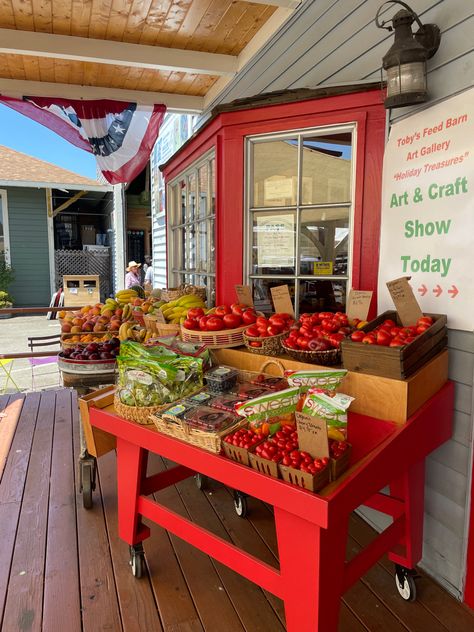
(191, 215)
(300, 188)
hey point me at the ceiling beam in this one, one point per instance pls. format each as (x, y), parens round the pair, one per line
(14, 42)
(178, 103)
(286, 4)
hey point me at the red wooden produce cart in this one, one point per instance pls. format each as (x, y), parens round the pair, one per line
(311, 528)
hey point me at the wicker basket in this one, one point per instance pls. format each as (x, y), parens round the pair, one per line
(270, 346)
(223, 339)
(326, 358)
(139, 317)
(138, 414)
(173, 293)
(160, 329)
(178, 428)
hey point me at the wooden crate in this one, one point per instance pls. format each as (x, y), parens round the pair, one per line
(395, 362)
(375, 396)
(98, 442)
(81, 289)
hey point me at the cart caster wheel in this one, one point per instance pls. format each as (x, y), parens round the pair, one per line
(405, 583)
(88, 470)
(137, 561)
(240, 505)
(201, 481)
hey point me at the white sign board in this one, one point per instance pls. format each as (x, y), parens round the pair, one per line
(428, 210)
(275, 240)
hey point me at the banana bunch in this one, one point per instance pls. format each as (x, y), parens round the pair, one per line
(176, 311)
(125, 296)
(110, 304)
(127, 313)
(132, 331)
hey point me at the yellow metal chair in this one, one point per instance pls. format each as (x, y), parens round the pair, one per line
(7, 366)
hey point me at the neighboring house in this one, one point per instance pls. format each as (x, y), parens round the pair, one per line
(44, 209)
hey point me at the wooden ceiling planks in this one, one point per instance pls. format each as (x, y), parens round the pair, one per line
(212, 26)
(104, 75)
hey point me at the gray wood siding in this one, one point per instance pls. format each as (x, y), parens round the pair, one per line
(27, 216)
(336, 42)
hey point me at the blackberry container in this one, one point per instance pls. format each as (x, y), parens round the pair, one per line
(221, 379)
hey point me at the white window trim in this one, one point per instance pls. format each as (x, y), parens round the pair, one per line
(297, 132)
(6, 226)
(170, 210)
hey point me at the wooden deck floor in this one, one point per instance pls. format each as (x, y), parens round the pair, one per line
(64, 568)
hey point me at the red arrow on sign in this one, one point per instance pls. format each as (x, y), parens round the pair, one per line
(423, 289)
(454, 292)
(437, 291)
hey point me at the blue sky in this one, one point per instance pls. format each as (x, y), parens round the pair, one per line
(22, 134)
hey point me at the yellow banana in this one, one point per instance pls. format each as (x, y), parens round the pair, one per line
(333, 433)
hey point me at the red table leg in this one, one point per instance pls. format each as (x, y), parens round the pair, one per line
(410, 488)
(131, 471)
(312, 567)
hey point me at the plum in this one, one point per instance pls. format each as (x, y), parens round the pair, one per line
(105, 355)
(94, 356)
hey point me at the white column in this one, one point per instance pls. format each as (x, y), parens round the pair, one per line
(118, 223)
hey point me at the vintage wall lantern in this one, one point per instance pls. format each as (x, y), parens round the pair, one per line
(405, 62)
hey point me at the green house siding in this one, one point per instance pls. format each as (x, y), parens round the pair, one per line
(28, 225)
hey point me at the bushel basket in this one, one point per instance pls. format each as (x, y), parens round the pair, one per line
(222, 339)
(325, 358)
(270, 346)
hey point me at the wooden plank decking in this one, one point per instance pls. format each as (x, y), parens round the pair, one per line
(64, 568)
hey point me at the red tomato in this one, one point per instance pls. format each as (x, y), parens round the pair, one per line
(397, 342)
(383, 338)
(252, 331)
(232, 321)
(330, 326)
(389, 323)
(262, 321)
(195, 312)
(238, 308)
(277, 322)
(203, 323)
(369, 339)
(335, 340)
(215, 324)
(425, 320)
(274, 331)
(191, 323)
(358, 335)
(394, 331)
(222, 310)
(302, 342)
(249, 317)
(291, 343)
(421, 328)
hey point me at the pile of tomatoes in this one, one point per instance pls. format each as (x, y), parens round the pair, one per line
(320, 331)
(337, 448)
(389, 334)
(266, 327)
(243, 438)
(281, 444)
(304, 462)
(222, 317)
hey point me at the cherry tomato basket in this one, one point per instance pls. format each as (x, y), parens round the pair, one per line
(326, 358)
(340, 465)
(241, 455)
(311, 482)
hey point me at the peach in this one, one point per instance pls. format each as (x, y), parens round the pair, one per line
(65, 327)
(88, 325)
(114, 325)
(78, 322)
(76, 329)
(107, 312)
(99, 327)
(137, 302)
(69, 316)
(61, 314)
(119, 312)
(95, 311)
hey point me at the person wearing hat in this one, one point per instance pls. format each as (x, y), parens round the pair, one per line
(133, 274)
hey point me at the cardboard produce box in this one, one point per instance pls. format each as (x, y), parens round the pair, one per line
(395, 362)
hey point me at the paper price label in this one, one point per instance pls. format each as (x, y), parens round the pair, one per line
(160, 318)
(405, 301)
(282, 300)
(244, 294)
(312, 435)
(358, 304)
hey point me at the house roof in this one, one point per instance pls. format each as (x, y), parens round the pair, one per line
(18, 167)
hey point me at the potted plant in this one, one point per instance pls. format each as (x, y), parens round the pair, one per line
(6, 278)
